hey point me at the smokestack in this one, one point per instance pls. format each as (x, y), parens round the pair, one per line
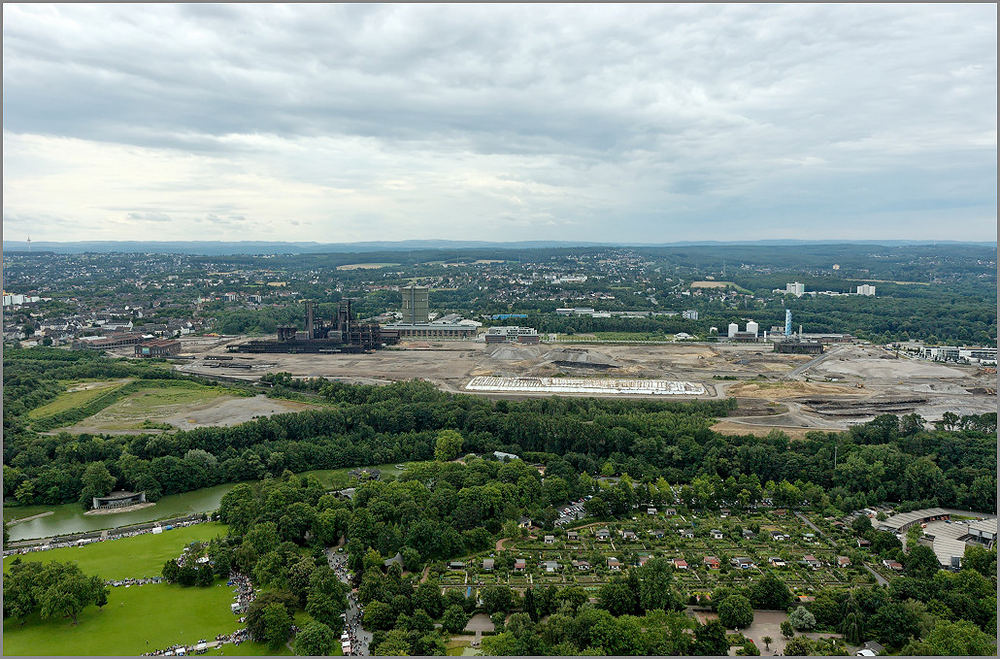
(309, 320)
(800, 331)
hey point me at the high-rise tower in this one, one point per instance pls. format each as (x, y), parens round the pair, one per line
(415, 304)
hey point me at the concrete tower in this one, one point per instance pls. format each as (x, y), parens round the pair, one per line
(788, 322)
(415, 304)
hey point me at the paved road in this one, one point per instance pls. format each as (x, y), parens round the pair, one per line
(795, 373)
(360, 639)
(808, 523)
(882, 581)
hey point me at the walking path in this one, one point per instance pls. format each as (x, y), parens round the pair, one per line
(882, 581)
(360, 639)
(808, 523)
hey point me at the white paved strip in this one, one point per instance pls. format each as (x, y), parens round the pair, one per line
(586, 386)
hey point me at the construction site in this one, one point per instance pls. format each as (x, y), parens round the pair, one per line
(847, 384)
(344, 334)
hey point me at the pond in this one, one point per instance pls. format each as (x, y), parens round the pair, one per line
(69, 518)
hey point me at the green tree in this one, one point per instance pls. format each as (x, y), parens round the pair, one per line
(656, 587)
(770, 593)
(711, 640)
(315, 640)
(618, 598)
(454, 619)
(277, 625)
(268, 619)
(959, 638)
(736, 612)
(326, 597)
(97, 482)
(786, 629)
(70, 594)
(853, 628)
(395, 644)
(427, 596)
(920, 562)
(798, 647)
(801, 618)
(448, 445)
(379, 615)
(497, 599)
(861, 525)
(767, 640)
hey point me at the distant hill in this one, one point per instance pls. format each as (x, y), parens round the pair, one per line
(215, 248)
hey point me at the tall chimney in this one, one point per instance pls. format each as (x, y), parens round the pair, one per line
(309, 320)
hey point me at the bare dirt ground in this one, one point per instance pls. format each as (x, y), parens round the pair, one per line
(215, 411)
(123, 509)
(231, 411)
(781, 390)
(852, 383)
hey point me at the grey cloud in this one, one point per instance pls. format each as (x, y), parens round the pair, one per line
(625, 109)
(148, 216)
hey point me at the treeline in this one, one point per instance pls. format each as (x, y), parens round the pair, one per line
(889, 459)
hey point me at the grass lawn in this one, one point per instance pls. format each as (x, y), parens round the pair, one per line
(254, 649)
(67, 400)
(162, 614)
(141, 556)
(154, 403)
(338, 478)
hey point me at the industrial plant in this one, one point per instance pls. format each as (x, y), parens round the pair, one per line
(343, 334)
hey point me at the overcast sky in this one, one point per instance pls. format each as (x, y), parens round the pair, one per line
(647, 123)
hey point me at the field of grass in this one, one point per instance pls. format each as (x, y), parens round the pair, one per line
(139, 556)
(135, 620)
(77, 394)
(338, 478)
(365, 266)
(154, 403)
(254, 649)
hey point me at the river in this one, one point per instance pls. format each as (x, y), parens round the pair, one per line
(69, 518)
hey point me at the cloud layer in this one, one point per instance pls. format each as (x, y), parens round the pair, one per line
(590, 122)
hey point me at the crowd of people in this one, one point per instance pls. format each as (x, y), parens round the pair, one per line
(352, 627)
(352, 624)
(133, 582)
(243, 595)
(244, 592)
(56, 543)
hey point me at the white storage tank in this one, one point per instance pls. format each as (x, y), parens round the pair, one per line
(752, 327)
(733, 329)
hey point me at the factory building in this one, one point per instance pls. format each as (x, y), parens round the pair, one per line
(796, 347)
(528, 335)
(415, 304)
(433, 330)
(158, 348)
(343, 334)
(123, 340)
(749, 335)
(957, 354)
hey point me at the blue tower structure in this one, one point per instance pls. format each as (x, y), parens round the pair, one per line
(788, 322)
